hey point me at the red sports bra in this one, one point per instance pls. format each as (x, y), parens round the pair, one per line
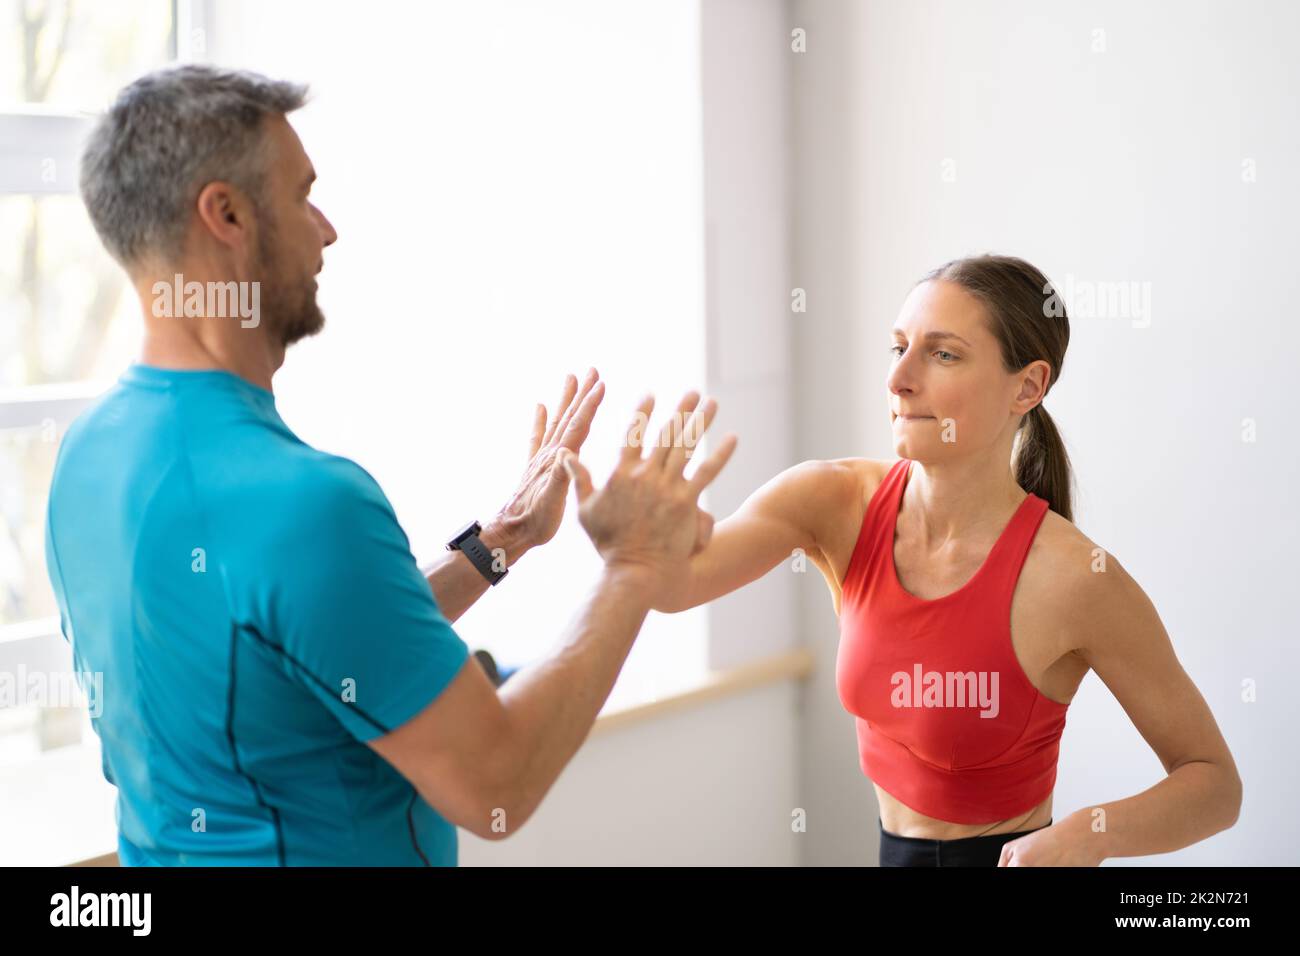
(947, 721)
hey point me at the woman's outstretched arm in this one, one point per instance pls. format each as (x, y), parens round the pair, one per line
(786, 513)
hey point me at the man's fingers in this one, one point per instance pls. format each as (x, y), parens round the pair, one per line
(539, 430)
(672, 430)
(709, 468)
(566, 396)
(578, 473)
(636, 436)
(575, 403)
(575, 433)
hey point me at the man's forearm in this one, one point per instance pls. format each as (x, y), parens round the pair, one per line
(456, 583)
(552, 704)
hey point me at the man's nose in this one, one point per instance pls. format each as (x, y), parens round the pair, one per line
(328, 235)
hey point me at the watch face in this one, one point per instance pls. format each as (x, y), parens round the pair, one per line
(472, 528)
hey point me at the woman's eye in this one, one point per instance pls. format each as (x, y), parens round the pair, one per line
(894, 349)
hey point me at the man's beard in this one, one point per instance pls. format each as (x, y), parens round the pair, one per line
(291, 310)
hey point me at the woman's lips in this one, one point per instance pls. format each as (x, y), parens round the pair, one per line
(913, 418)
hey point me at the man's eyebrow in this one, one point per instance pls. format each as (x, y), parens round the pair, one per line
(939, 337)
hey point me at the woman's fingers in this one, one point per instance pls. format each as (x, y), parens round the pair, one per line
(579, 474)
(636, 429)
(703, 530)
(709, 468)
(689, 435)
(670, 434)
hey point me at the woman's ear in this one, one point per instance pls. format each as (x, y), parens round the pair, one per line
(1033, 387)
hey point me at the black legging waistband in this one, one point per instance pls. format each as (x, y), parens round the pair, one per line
(982, 850)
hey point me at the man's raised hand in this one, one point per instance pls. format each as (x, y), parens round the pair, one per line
(534, 512)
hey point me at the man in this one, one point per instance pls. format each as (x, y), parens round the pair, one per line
(282, 684)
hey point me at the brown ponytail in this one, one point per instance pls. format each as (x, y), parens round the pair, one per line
(1028, 319)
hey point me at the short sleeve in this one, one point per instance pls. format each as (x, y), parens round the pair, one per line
(350, 608)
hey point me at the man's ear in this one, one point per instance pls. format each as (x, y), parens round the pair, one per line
(225, 214)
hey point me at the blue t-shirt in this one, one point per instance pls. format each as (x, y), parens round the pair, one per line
(256, 614)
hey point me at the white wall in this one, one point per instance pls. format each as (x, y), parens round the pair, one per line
(1122, 164)
(826, 358)
(713, 784)
(745, 85)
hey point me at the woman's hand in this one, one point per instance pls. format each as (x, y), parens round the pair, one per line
(1067, 843)
(534, 512)
(646, 517)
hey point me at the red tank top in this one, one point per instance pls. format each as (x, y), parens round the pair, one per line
(947, 720)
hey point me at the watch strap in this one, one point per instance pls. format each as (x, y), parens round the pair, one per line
(473, 548)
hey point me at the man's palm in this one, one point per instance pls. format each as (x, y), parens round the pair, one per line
(538, 503)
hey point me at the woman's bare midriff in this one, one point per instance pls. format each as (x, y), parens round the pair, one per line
(902, 820)
(1050, 666)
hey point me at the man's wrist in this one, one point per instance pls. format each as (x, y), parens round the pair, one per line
(505, 534)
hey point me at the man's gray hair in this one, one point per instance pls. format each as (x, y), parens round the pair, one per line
(168, 135)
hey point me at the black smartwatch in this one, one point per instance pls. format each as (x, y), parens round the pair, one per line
(467, 541)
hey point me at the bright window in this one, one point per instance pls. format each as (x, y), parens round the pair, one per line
(518, 193)
(67, 326)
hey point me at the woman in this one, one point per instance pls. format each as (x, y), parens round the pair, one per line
(970, 605)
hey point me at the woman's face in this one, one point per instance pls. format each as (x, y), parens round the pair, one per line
(948, 393)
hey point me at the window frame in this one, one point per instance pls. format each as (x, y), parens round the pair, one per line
(39, 134)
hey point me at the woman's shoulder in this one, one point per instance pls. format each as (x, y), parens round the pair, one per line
(817, 493)
(835, 493)
(1082, 571)
(847, 477)
(827, 498)
(1097, 602)
(864, 475)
